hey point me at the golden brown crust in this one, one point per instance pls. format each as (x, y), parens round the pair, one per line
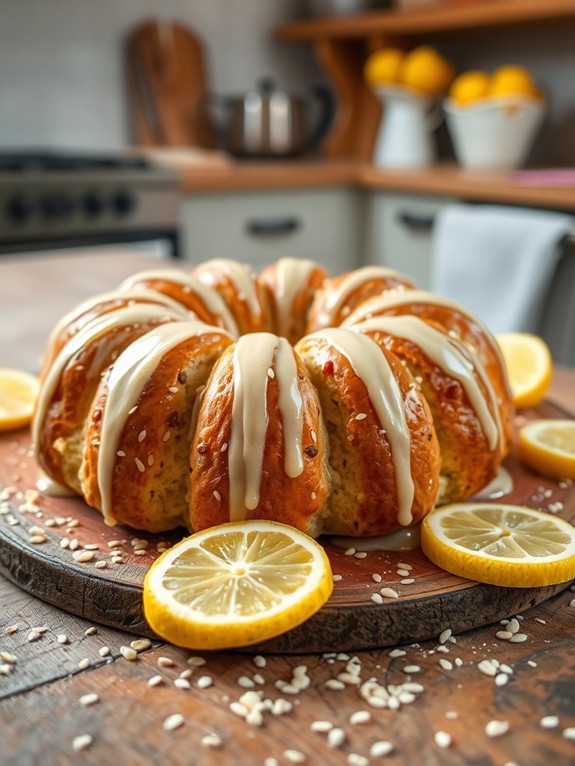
(467, 461)
(247, 319)
(321, 316)
(62, 429)
(364, 497)
(298, 501)
(155, 438)
(460, 325)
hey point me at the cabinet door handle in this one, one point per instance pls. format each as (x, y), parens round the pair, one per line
(273, 227)
(415, 221)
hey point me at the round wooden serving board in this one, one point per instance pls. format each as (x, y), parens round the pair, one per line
(112, 595)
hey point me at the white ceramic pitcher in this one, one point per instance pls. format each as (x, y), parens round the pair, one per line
(405, 136)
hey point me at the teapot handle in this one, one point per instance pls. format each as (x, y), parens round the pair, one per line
(326, 99)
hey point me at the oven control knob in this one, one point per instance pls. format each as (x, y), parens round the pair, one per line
(57, 205)
(125, 202)
(21, 208)
(94, 203)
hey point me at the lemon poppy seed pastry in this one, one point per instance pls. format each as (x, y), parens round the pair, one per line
(195, 399)
(259, 448)
(384, 454)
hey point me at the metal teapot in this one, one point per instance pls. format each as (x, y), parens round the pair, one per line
(267, 122)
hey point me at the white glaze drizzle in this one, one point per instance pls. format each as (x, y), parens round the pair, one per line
(239, 274)
(292, 275)
(501, 485)
(125, 383)
(126, 316)
(370, 365)
(50, 487)
(444, 353)
(374, 306)
(338, 295)
(138, 296)
(211, 299)
(406, 539)
(254, 355)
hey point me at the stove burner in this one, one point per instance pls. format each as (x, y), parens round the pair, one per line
(42, 162)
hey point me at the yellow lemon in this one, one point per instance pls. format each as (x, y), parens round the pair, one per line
(529, 367)
(236, 584)
(512, 81)
(425, 71)
(18, 392)
(469, 87)
(382, 67)
(507, 545)
(548, 446)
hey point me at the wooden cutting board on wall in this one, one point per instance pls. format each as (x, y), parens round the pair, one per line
(167, 81)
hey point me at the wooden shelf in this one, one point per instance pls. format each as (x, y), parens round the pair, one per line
(441, 18)
(445, 180)
(342, 44)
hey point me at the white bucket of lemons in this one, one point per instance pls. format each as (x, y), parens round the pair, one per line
(493, 120)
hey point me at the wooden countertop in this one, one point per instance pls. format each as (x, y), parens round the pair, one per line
(444, 180)
(41, 712)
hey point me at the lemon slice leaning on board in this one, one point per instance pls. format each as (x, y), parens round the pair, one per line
(236, 584)
(529, 367)
(18, 392)
(507, 545)
(548, 447)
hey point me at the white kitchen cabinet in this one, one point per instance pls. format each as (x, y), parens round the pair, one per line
(325, 224)
(400, 227)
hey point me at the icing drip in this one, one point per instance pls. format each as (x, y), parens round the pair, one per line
(339, 295)
(292, 276)
(379, 304)
(126, 316)
(372, 368)
(444, 353)
(138, 296)
(239, 274)
(125, 383)
(209, 297)
(253, 358)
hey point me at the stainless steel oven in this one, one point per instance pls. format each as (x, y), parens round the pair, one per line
(53, 200)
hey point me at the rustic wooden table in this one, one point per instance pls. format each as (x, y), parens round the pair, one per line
(68, 695)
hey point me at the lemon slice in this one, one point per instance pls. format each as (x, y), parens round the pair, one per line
(529, 367)
(236, 584)
(18, 392)
(548, 446)
(500, 544)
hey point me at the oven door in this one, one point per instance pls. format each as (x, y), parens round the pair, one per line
(160, 243)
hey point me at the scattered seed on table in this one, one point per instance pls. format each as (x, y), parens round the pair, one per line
(549, 722)
(211, 740)
(128, 653)
(383, 747)
(173, 722)
(81, 742)
(442, 739)
(204, 681)
(496, 728)
(140, 644)
(89, 699)
(155, 681)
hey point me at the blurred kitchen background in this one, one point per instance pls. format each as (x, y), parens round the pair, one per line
(247, 129)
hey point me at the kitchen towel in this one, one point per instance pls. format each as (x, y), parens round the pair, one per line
(498, 262)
